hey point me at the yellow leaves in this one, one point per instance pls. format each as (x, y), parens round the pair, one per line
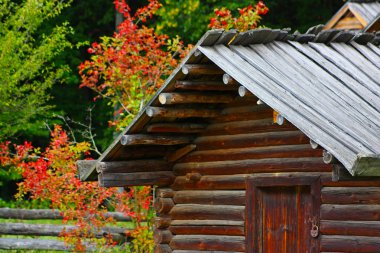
(81, 147)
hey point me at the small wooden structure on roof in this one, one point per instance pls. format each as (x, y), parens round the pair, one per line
(261, 141)
(362, 15)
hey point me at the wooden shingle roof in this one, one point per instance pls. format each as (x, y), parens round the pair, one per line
(325, 83)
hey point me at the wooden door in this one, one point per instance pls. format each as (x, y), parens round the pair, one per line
(280, 214)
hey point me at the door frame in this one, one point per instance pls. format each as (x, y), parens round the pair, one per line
(253, 185)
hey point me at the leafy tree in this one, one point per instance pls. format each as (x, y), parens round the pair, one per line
(27, 61)
(49, 175)
(248, 18)
(130, 66)
(189, 18)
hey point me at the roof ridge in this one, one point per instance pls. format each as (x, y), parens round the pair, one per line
(266, 35)
(363, 1)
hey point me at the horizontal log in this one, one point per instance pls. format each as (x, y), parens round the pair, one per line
(247, 126)
(230, 182)
(35, 244)
(237, 182)
(357, 228)
(162, 248)
(143, 152)
(210, 197)
(208, 242)
(357, 244)
(246, 106)
(350, 212)
(351, 195)
(205, 212)
(201, 251)
(194, 98)
(48, 214)
(207, 230)
(179, 153)
(203, 86)
(255, 113)
(117, 234)
(162, 236)
(163, 205)
(162, 221)
(283, 151)
(133, 166)
(252, 166)
(159, 178)
(207, 223)
(165, 112)
(201, 69)
(176, 128)
(251, 140)
(357, 182)
(145, 139)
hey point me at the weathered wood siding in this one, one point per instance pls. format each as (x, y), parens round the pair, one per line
(206, 209)
(350, 216)
(209, 189)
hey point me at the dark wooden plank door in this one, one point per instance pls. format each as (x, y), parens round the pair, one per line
(280, 216)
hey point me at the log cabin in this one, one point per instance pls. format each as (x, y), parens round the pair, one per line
(359, 15)
(260, 141)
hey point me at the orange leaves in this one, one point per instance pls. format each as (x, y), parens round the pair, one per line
(52, 175)
(130, 66)
(249, 18)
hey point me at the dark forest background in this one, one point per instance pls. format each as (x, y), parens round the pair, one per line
(96, 18)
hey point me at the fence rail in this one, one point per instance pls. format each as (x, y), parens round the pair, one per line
(43, 214)
(24, 229)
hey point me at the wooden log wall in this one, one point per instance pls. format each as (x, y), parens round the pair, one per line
(203, 210)
(209, 190)
(350, 216)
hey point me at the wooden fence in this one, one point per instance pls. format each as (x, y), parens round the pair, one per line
(23, 229)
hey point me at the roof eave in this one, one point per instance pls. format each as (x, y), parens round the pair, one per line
(87, 171)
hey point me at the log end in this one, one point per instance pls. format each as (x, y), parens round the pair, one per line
(185, 70)
(227, 79)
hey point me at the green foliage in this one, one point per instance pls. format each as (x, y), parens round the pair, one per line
(27, 61)
(189, 18)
